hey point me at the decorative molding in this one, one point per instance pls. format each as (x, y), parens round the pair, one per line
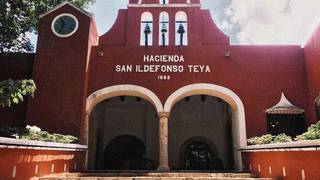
(123, 90)
(163, 115)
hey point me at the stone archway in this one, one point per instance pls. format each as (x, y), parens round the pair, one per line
(123, 90)
(115, 91)
(238, 112)
(119, 90)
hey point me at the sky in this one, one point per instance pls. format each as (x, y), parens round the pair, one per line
(259, 22)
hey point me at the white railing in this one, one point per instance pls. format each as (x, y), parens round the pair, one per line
(308, 145)
(11, 143)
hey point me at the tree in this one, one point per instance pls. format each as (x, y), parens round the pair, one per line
(21, 16)
(14, 91)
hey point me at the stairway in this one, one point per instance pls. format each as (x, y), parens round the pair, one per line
(154, 176)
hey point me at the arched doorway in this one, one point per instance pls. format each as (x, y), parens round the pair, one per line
(200, 154)
(118, 110)
(126, 152)
(109, 121)
(207, 121)
(235, 108)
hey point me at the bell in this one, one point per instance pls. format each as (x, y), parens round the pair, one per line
(147, 29)
(164, 28)
(181, 29)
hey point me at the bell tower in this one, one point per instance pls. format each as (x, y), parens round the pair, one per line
(154, 23)
(60, 70)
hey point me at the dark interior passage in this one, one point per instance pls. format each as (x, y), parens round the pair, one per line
(200, 134)
(126, 153)
(123, 135)
(199, 156)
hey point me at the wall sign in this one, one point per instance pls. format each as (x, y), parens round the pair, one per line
(163, 66)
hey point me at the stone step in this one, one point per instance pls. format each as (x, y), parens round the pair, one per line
(148, 174)
(154, 176)
(151, 178)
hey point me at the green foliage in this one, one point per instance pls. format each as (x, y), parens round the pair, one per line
(35, 133)
(21, 16)
(13, 91)
(265, 139)
(281, 138)
(268, 139)
(312, 133)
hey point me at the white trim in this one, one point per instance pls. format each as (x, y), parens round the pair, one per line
(287, 145)
(28, 144)
(303, 174)
(66, 35)
(238, 115)
(284, 172)
(14, 171)
(163, 5)
(123, 90)
(317, 100)
(63, 4)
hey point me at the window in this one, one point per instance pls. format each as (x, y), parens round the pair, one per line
(290, 124)
(146, 29)
(181, 29)
(164, 2)
(164, 29)
(318, 108)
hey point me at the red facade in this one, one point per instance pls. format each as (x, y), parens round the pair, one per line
(68, 70)
(312, 64)
(15, 66)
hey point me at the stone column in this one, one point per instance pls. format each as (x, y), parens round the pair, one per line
(163, 142)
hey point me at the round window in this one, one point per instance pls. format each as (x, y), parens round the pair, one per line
(64, 25)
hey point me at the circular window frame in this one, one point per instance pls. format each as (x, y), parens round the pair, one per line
(66, 35)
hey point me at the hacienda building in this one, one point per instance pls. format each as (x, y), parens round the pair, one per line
(163, 89)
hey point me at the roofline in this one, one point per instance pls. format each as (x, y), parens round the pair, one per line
(63, 4)
(279, 107)
(163, 5)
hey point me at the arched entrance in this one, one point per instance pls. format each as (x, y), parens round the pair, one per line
(237, 114)
(209, 119)
(163, 114)
(199, 153)
(118, 110)
(126, 152)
